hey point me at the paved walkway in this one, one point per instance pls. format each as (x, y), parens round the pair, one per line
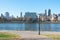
(29, 35)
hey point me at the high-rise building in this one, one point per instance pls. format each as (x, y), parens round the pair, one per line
(21, 14)
(45, 12)
(58, 14)
(2, 15)
(7, 15)
(49, 12)
(30, 14)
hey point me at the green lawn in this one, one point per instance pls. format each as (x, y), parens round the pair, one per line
(54, 36)
(8, 35)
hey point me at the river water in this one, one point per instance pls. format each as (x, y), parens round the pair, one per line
(29, 27)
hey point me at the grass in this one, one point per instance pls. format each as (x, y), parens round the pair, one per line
(53, 36)
(5, 35)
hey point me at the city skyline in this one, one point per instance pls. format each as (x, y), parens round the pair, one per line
(15, 7)
(46, 13)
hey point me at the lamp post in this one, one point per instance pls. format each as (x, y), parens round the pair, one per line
(39, 25)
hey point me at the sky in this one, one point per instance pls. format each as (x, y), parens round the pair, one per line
(15, 7)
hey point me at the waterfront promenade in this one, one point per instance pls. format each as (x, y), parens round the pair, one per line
(31, 35)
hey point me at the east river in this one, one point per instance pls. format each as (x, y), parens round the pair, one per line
(30, 26)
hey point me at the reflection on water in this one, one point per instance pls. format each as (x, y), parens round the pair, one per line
(31, 26)
(45, 27)
(11, 26)
(55, 27)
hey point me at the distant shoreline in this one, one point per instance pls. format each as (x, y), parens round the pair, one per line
(58, 22)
